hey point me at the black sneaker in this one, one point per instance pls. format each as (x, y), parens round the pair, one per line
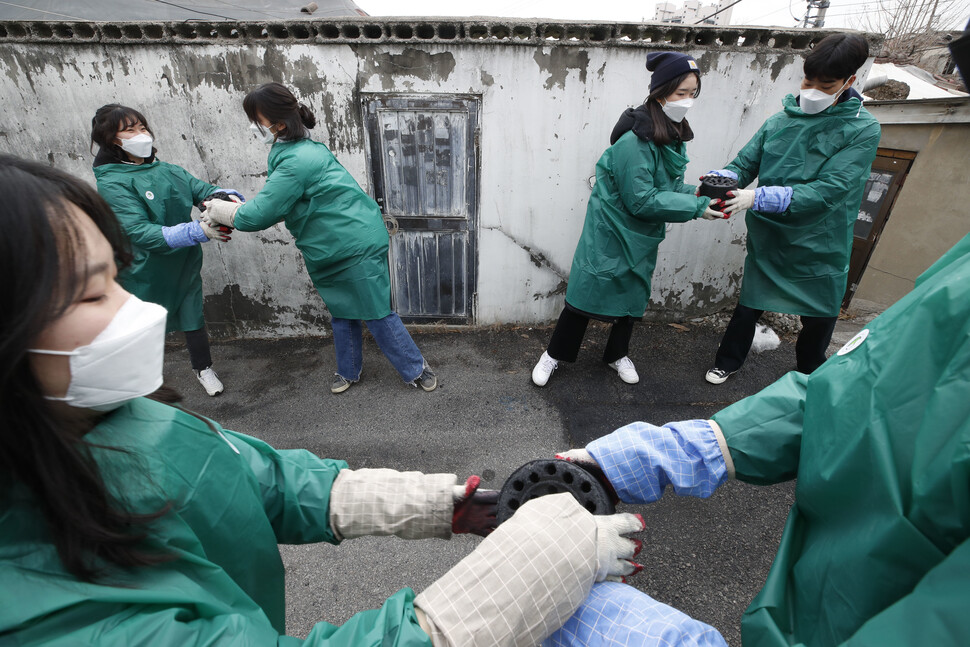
(427, 380)
(339, 384)
(718, 375)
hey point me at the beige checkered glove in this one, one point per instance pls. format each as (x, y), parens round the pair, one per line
(526, 578)
(220, 212)
(410, 505)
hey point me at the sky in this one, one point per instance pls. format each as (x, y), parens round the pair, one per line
(781, 13)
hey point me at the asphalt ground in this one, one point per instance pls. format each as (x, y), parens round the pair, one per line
(707, 558)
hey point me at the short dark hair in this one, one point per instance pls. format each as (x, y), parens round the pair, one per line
(838, 56)
(111, 118)
(275, 102)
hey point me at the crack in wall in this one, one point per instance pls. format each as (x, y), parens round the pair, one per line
(538, 258)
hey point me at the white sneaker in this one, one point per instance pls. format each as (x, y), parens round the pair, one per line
(718, 375)
(628, 372)
(209, 379)
(543, 370)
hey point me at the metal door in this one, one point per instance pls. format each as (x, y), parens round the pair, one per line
(885, 179)
(423, 157)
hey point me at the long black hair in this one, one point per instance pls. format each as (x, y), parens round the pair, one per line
(111, 118)
(42, 449)
(665, 130)
(275, 102)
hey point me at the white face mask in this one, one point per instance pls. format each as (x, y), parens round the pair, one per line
(139, 145)
(264, 135)
(122, 363)
(814, 101)
(677, 110)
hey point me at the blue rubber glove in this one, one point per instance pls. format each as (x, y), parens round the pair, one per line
(239, 195)
(617, 614)
(722, 173)
(772, 199)
(184, 234)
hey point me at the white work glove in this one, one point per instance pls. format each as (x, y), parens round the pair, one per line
(712, 214)
(216, 232)
(613, 551)
(738, 200)
(527, 578)
(220, 212)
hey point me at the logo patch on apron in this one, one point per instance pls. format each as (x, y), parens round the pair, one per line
(149, 195)
(854, 343)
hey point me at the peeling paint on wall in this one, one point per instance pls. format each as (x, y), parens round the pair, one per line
(559, 61)
(411, 62)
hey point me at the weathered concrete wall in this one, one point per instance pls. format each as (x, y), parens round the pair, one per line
(930, 213)
(550, 95)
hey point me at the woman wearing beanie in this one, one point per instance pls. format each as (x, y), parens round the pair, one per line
(639, 189)
(338, 228)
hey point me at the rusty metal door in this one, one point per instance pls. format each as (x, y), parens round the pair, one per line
(885, 179)
(423, 159)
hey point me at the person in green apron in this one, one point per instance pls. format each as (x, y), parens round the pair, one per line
(639, 189)
(127, 521)
(153, 200)
(812, 161)
(876, 549)
(338, 228)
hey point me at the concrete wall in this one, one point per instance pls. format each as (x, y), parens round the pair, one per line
(930, 214)
(550, 95)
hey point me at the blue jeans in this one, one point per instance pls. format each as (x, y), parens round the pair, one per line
(391, 337)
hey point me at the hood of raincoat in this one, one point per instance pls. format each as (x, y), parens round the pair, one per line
(641, 123)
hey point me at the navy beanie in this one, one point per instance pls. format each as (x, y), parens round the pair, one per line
(667, 66)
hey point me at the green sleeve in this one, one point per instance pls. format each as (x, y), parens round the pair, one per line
(633, 169)
(133, 217)
(842, 173)
(283, 188)
(748, 161)
(295, 487)
(934, 613)
(764, 431)
(200, 190)
(116, 624)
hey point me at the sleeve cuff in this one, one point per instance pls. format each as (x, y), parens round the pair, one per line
(183, 235)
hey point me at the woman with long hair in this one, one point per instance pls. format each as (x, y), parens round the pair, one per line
(338, 228)
(153, 200)
(639, 189)
(127, 521)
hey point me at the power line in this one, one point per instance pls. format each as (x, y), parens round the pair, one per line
(204, 13)
(52, 13)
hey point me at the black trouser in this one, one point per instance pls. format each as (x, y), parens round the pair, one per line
(198, 344)
(568, 335)
(810, 348)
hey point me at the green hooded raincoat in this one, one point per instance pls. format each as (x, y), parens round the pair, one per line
(233, 498)
(798, 260)
(639, 189)
(147, 197)
(876, 550)
(338, 228)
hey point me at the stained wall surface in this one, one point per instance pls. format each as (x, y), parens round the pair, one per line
(550, 94)
(930, 214)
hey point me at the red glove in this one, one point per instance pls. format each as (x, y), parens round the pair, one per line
(474, 509)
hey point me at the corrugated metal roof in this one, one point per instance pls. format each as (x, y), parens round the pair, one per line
(173, 10)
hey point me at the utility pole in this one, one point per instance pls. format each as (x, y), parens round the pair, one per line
(818, 20)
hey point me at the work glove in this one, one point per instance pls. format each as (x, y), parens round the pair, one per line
(474, 509)
(738, 201)
(713, 214)
(526, 578)
(614, 552)
(219, 212)
(217, 232)
(222, 194)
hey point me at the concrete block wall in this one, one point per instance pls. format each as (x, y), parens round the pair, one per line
(550, 95)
